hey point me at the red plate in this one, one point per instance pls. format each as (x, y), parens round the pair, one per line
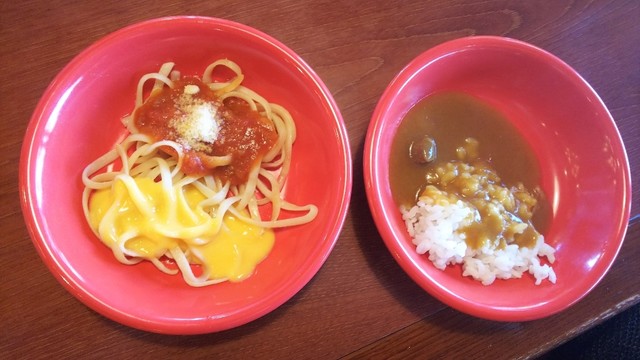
(584, 166)
(78, 119)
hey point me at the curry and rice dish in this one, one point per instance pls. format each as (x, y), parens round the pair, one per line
(467, 187)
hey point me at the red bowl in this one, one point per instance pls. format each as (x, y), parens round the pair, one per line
(585, 170)
(78, 119)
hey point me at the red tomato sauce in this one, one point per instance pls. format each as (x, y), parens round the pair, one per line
(206, 126)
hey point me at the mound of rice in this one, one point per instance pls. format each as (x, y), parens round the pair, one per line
(436, 228)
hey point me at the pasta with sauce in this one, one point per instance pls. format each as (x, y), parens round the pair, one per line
(199, 179)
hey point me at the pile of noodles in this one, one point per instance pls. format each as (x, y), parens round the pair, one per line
(138, 156)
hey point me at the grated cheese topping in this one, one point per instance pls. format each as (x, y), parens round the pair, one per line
(196, 122)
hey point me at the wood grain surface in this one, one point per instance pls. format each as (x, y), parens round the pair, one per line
(360, 304)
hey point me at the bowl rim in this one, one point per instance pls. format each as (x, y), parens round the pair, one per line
(176, 326)
(381, 215)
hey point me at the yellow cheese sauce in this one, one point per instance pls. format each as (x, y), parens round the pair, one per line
(158, 219)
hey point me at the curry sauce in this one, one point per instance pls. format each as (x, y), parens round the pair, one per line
(481, 158)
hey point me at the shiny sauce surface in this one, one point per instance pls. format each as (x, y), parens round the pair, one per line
(451, 119)
(192, 115)
(231, 253)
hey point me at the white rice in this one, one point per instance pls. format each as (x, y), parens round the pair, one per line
(435, 229)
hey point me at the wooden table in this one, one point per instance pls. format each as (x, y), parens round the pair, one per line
(360, 304)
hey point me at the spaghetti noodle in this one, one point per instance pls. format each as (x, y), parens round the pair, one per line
(202, 157)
